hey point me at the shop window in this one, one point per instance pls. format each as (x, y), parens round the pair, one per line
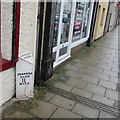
(56, 26)
(103, 17)
(81, 20)
(9, 27)
(86, 19)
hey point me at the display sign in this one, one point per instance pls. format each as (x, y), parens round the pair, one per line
(24, 76)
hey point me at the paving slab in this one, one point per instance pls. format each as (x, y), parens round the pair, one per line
(74, 74)
(43, 110)
(63, 86)
(103, 100)
(95, 89)
(82, 92)
(106, 115)
(76, 83)
(90, 79)
(85, 111)
(18, 114)
(113, 79)
(97, 74)
(71, 67)
(63, 113)
(49, 96)
(108, 84)
(62, 102)
(112, 94)
(111, 73)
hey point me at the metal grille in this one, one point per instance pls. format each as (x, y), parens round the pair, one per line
(85, 101)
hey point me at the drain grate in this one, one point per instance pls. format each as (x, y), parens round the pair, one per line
(85, 101)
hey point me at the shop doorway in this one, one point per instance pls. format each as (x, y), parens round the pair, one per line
(61, 50)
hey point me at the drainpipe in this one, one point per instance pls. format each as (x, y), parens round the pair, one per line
(47, 59)
(40, 21)
(93, 21)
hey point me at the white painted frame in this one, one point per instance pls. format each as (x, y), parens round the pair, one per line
(59, 46)
(70, 44)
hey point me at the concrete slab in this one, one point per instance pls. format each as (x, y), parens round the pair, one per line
(62, 102)
(82, 92)
(113, 79)
(49, 96)
(63, 86)
(95, 89)
(18, 114)
(103, 100)
(90, 79)
(43, 110)
(85, 111)
(63, 113)
(112, 94)
(74, 74)
(77, 83)
(108, 84)
(106, 115)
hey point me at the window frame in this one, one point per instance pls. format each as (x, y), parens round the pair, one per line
(7, 64)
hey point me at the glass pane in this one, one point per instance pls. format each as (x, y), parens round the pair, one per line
(56, 24)
(65, 26)
(6, 29)
(54, 55)
(78, 21)
(63, 51)
(86, 20)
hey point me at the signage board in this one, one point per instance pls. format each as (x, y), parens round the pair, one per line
(24, 76)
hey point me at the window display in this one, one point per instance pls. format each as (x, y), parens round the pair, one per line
(78, 21)
(56, 26)
(66, 22)
(86, 20)
(81, 20)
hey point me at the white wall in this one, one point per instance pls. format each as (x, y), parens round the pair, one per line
(27, 43)
(7, 85)
(6, 29)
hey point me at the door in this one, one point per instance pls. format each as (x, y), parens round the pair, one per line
(61, 48)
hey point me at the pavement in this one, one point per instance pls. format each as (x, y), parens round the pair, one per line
(92, 74)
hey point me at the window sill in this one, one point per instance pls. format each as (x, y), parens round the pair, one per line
(6, 64)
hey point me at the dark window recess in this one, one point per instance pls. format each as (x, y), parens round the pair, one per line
(103, 17)
(54, 56)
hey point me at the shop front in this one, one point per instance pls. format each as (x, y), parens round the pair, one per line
(72, 27)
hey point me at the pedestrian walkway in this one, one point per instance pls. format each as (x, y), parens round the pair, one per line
(84, 87)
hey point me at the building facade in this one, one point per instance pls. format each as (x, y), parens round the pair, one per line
(18, 35)
(101, 19)
(51, 31)
(112, 16)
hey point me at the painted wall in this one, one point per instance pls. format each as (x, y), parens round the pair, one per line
(114, 15)
(27, 43)
(6, 29)
(101, 18)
